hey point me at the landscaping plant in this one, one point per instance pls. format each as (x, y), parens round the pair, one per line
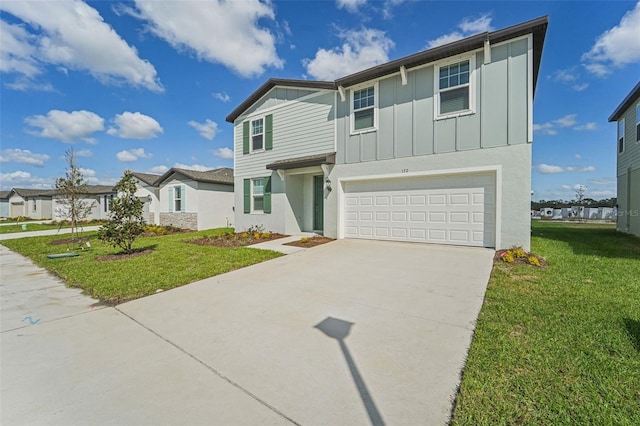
(126, 222)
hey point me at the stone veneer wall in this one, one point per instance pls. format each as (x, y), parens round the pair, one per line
(151, 219)
(180, 220)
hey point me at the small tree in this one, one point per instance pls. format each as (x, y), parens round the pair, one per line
(71, 190)
(126, 222)
(580, 190)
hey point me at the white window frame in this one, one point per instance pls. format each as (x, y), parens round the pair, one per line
(251, 135)
(177, 189)
(254, 195)
(352, 111)
(471, 85)
(621, 123)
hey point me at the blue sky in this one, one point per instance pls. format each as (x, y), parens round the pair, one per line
(146, 85)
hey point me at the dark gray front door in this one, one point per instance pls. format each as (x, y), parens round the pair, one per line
(318, 203)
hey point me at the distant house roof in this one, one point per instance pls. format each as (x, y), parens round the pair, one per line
(30, 192)
(4, 195)
(89, 190)
(222, 175)
(626, 103)
(537, 27)
(148, 178)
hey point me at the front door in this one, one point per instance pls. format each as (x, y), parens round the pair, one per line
(318, 203)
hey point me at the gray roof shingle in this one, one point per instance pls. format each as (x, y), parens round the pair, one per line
(222, 175)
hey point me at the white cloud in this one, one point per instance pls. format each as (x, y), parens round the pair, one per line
(131, 155)
(87, 173)
(467, 27)
(158, 169)
(72, 35)
(603, 182)
(224, 153)
(222, 96)
(21, 178)
(83, 153)
(569, 120)
(196, 167)
(566, 187)
(350, 5)
(207, 130)
(549, 169)
(616, 47)
(66, 126)
(134, 125)
(23, 156)
(601, 194)
(569, 77)
(361, 49)
(229, 33)
(587, 126)
(578, 156)
(580, 87)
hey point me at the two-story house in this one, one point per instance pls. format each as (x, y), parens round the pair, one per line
(627, 116)
(434, 147)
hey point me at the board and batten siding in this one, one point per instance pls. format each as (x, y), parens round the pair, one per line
(630, 158)
(300, 128)
(406, 125)
(277, 96)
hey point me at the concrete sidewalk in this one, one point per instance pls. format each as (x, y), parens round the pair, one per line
(351, 332)
(26, 234)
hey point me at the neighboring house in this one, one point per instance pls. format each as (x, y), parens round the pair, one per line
(4, 203)
(31, 203)
(434, 147)
(97, 196)
(627, 116)
(196, 199)
(148, 191)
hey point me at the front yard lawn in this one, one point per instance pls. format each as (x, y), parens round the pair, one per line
(17, 227)
(559, 345)
(171, 263)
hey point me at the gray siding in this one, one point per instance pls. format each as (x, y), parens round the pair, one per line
(277, 96)
(406, 125)
(299, 129)
(630, 158)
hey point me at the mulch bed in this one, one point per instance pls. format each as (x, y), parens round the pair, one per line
(122, 256)
(167, 232)
(498, 258)
(310, 242)
(235, 240)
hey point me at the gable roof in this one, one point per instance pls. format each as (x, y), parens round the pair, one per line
(4, 194)
(626, 103)
(148, 178)
(30, 192)
(537, 27)
(223, 175)
(99, 189)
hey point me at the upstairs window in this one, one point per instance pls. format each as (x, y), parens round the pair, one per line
(363, 107)
(621, 136)
(638, 123)
(454, 83)
(257, 135)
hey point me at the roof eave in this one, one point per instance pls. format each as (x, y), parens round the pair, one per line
(626, 103)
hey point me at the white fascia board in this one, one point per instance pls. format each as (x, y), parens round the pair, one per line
(530, 88)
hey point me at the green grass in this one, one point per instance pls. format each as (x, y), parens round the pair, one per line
(559, 345)
(173, 263)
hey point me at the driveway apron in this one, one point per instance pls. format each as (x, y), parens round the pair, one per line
(351, 332)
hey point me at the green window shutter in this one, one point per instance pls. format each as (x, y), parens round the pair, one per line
(267, 195)
(170, 199)
(268, 132)
(247, 195)
(245, 137)
(183, 203)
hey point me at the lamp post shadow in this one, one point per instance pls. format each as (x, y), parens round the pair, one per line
(339, 329)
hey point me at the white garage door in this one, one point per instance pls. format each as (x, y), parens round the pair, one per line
(453, 209)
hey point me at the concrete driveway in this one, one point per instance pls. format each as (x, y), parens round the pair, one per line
(351, 332)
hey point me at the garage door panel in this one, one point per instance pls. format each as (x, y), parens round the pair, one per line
(452, 210)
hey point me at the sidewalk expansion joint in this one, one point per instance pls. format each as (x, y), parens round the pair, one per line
(213, 370)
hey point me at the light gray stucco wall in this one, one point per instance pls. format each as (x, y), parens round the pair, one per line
(515, 165)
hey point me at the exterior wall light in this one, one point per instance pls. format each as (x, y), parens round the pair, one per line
(327, 185)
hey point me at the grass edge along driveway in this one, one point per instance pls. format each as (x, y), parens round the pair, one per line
(559, 345)
(173, 262)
